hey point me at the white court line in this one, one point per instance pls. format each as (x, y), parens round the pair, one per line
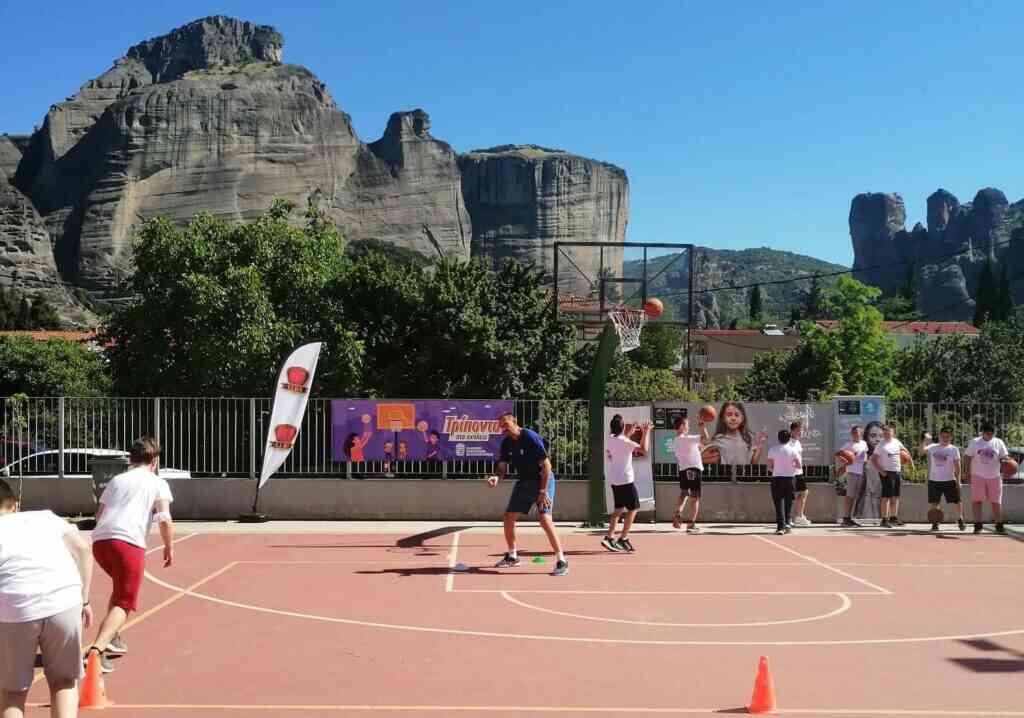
(241, 707)
(833, 569)
(599, 592)
(844, 606)
(449, 580)
(581, 639)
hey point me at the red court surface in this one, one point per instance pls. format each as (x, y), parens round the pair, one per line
(865, 623)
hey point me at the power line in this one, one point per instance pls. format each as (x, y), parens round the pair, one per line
(826, 275)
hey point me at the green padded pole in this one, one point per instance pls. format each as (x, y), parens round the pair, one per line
(596, 508)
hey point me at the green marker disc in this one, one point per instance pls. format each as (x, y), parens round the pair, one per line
(538, 559)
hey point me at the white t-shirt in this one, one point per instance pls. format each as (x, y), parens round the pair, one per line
(686, 447)
(985, 456)
(942, 461)
(860, 455)
(38, 575)
(785, 460)
(129, 502)
(799, 448)
(889, 453)
(618, 460)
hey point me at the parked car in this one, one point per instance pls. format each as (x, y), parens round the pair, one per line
(12, 449)
(77, 464)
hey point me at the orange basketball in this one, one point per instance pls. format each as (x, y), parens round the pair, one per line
(904, 456)
(710, 455)
(1009, 468)
(707, 413)
(654, 307)
(845, 456)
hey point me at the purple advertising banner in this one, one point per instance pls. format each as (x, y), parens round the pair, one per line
(415, 430)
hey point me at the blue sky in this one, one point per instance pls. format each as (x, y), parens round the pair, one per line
(739, 125)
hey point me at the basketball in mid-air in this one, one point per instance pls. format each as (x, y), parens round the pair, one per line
(654, 307)
(707, 413)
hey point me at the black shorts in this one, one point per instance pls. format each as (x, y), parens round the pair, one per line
(799, 484)
(891, 481)
(689, 481)
(525, 494)
(943, 489)
(626, 496)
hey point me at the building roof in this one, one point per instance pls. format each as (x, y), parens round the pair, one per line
(915, 327)
(43, 335)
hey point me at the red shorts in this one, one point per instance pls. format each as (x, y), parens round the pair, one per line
(125, 564)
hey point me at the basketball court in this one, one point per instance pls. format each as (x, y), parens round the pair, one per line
(288, 619)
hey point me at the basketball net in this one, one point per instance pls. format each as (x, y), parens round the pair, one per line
(628, 325)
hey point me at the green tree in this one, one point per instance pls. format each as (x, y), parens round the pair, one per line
(660, 347)
(985, 298)
(217, 306)
(756, 308)
(1003, 307)
(633, 382)
(55, 367)
(814, 301)
(855, 357)
(902, 307)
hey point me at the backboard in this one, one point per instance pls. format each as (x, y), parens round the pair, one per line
(592, 278)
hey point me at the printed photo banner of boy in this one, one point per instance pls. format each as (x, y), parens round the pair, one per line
(415, 430)
(734, 431)
(643, 472)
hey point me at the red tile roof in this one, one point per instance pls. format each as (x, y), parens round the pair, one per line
(43, 335)
(916, 327)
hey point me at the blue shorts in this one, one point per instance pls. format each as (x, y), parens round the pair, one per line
(525, 494)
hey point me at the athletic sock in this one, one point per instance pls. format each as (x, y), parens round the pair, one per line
(561, 556)
(513, 553)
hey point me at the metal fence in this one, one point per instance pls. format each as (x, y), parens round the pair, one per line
(223, 437)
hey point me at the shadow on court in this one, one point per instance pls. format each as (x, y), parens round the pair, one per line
(1014, 663)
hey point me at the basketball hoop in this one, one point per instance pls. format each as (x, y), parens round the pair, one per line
(628, 325)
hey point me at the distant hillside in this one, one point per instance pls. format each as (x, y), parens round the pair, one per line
(724, 268)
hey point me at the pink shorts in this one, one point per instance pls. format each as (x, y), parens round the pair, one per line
(987, 489)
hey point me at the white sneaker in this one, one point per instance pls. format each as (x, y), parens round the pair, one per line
(802, 521)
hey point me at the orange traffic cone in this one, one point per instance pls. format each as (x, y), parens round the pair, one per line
(92, 693)
(763, 700)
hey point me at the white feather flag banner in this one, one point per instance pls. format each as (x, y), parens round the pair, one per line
(290, 397)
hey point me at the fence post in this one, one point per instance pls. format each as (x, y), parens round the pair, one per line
(60, 437)
(930, 419)
(252, 439)
(444, 469)
(156, 422)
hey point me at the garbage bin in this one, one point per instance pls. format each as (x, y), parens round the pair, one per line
(103, 470)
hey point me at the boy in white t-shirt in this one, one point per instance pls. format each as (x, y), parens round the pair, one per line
(943, 473)
(985, 456)
(45, 572)
(129, 505)
(785, 461)
(618, 469)
(854, 473)
(888, 459)
(687, 448)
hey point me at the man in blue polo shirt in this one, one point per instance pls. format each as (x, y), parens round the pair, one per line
(524, 451)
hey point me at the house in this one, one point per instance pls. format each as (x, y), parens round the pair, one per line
(719, 354)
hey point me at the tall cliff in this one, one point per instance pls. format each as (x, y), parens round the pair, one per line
(208, 118)
(946, 255)
(524, 198)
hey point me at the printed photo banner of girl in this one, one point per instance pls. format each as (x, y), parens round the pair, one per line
(415, 430)
(735, 431)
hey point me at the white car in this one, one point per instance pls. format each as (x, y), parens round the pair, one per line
(77, 464)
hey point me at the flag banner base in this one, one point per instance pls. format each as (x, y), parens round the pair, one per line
(255, 517)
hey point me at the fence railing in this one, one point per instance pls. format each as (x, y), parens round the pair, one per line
(223, 437)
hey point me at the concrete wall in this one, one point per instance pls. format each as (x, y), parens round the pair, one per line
(456, 500)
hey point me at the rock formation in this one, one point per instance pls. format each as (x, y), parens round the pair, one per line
(524, 198)
(26, 257)
(947, 256)
(207, 118)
